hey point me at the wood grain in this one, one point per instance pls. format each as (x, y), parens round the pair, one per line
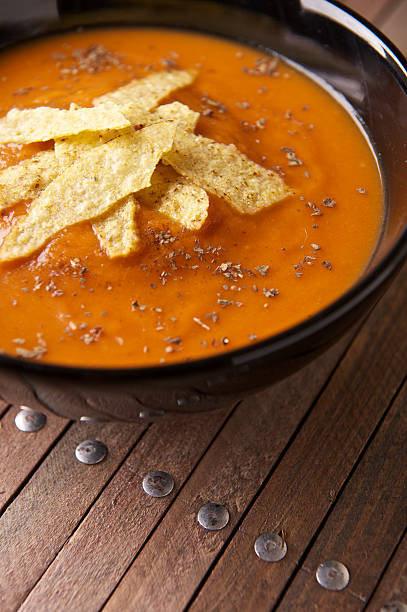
(393, 585)
(329, 473)
(122, 518)
(390, 16)
(369, 9)
(394, 26)
(20, 452)
(307, 480)
(179, 553)
(366, 524)
(37, 524)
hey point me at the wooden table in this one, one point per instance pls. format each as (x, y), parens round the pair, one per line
(320, 459)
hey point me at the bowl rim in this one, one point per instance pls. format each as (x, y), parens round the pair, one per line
(360, 291)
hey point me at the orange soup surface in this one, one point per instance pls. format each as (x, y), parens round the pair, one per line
(240, 278)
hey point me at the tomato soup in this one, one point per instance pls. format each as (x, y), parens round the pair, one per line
(240, 278)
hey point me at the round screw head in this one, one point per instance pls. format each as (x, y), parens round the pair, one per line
(91, 452)
(213, 516)
(158, 484)
(394, 606)
(29, 420)
(270, 547)
(333, 575)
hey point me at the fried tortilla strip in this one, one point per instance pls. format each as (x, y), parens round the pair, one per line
(173, 196)
(221, 169)
(70, 148)
(176, 197)
(26, 179)
(184, 116)
(117, 232)
(141, 95)
(44, 123)
(90, 187)
(185, 194)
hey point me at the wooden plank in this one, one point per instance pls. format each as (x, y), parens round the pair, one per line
(20, 452)
(394, 26)
(122, 518)
(309, 476)
(393, 585)
(38, 522)
(179, 552)
(369, 10)
(366, 524)
(390, 16)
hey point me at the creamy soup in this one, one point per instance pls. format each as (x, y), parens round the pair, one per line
(239, 278)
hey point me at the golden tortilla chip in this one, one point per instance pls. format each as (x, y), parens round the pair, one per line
(117, 231)
(185, 117)
(223, 170)
(173, 196)
(44, 123)
(26, 179)
(70, 148)
(141, 95)
(176, 197)
(90, 187)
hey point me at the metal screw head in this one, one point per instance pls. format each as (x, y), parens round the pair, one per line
(213, 516)
(158, 484)
(29, 420)
(333, 575)
(394, 606)
(270, 547)
(91, 452)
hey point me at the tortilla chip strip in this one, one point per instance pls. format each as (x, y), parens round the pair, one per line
(184, 116)
(221, 169)
(117, 232)
(141, 95)
(68, 149)
(72, 148)
(177, 198)
(44, 123)
(173, 196)
(26, 179)
(187, 196)
(90, 187)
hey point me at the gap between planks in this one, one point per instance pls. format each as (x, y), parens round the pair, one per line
(4, 406)
(21, 453)
(327, 447)
(392, 585)
(139, 513)
(38, 522)
(191, 553)
(375, 494)
(116, 508)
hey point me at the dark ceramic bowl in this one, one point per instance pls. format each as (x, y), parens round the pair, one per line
(346, 52)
